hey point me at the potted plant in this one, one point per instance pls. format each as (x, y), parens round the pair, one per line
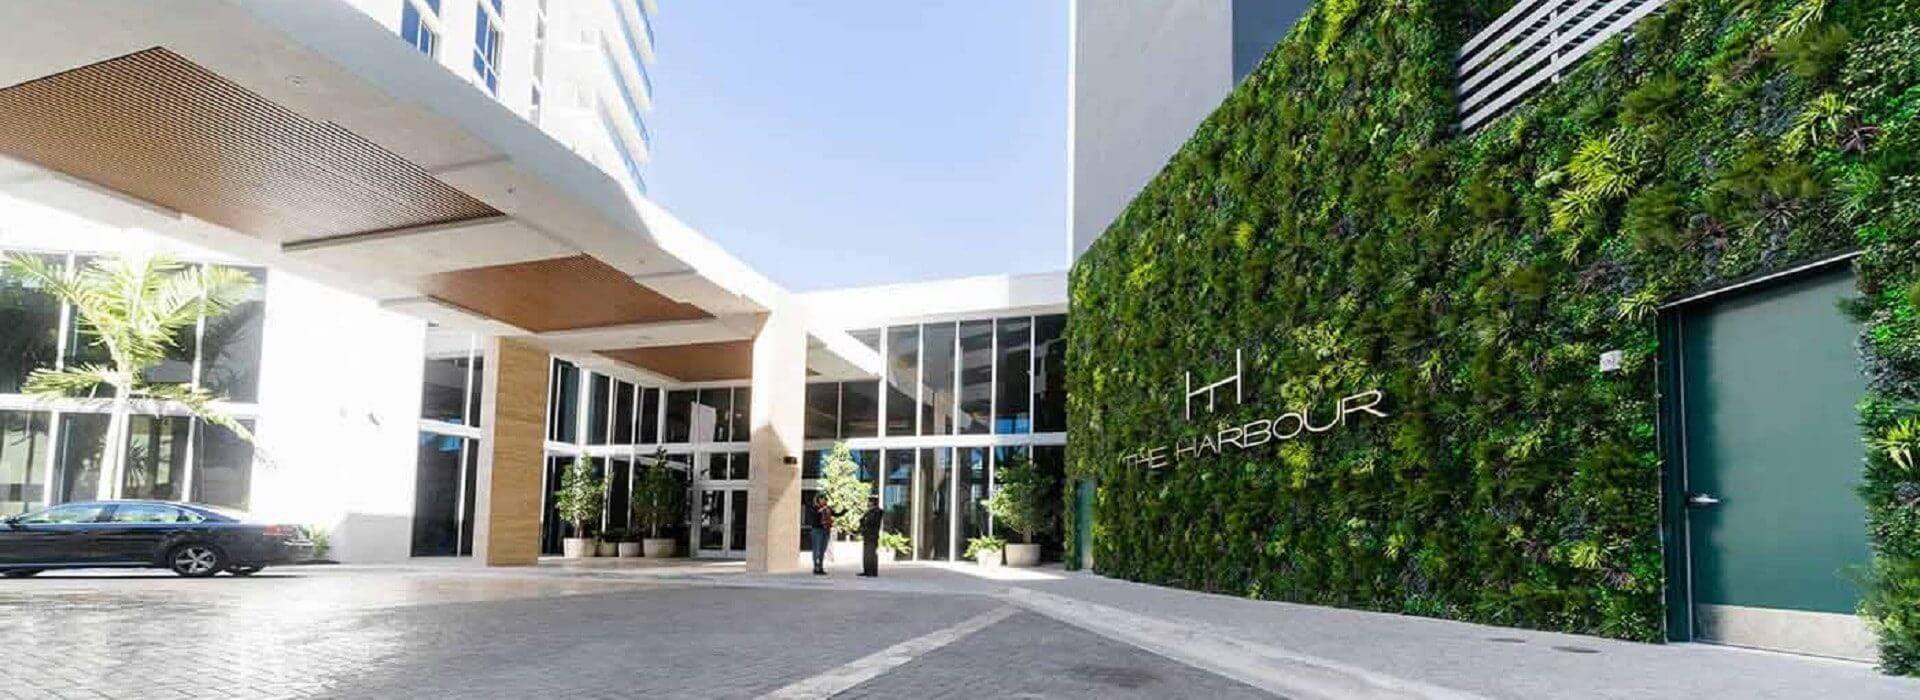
(847, 495)
(656, 506)
(894, 545)
(1020, 504)
(579, 500)
(625, 545)
(985, 549)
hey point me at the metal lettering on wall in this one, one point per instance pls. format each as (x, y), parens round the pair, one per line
(1245, 436)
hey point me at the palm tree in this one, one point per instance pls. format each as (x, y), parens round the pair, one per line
(133, 309)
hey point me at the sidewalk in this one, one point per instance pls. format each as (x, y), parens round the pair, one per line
(1495, 662)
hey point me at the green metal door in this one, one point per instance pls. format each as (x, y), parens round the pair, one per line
(1770, 381)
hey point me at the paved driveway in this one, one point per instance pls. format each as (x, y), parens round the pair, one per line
(453, 633)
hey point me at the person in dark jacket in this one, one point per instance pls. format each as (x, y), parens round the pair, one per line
(822, 531)
(870, 539)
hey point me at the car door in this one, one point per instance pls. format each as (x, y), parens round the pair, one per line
(55, 536)
(133, 532)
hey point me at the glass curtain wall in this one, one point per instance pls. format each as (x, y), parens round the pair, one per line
(446, 471)
(985, 390)
(620, 426)
(54, 455)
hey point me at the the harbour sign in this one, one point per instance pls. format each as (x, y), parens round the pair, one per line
(1237, 436)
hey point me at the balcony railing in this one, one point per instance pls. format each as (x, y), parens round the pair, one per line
(1533, 44)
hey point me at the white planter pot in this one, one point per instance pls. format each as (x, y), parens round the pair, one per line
(629, 550)
(886, 555)
(659, 547)
(988, 557)
(576, 547)
(840, 552)
(607, 549)
(1023, 555)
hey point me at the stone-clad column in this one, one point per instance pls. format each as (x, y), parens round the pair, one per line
(777, 416)
(513, 416)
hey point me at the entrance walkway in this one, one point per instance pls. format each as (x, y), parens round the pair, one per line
(1308, 651)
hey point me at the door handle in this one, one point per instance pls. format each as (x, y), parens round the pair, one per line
(1701, 500)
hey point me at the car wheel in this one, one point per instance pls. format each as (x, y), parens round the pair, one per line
(20, 573)
(244, 570)
(196, 560)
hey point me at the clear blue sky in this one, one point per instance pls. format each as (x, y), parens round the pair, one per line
(834, 143)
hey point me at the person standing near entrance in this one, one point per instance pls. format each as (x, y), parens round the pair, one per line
(822, 531)
(870, 539)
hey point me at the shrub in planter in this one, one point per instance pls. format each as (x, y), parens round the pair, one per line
(985, 549)
(846, 494)
(658, 503)
(580, 499)
(626, 543)
(1020, 503)
(894, 545)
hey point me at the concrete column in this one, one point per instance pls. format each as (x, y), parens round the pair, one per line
(513, 418)
(777, 416)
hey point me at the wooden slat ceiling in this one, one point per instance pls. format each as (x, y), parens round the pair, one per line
(160, 128)
(700, 362)
(557, 294)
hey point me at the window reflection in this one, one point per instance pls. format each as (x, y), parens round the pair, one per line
(23, 452)
(937, 382)
(29, 329)
(976, 377)
(1012, 400)
(230, 345)
(83, 441)
(903, 378)
(156, 464)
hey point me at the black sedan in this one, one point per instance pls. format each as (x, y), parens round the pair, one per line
(192, 540)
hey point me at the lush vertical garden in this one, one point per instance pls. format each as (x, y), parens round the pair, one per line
(1328, 221)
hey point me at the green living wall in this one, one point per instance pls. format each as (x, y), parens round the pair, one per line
(1329, 221)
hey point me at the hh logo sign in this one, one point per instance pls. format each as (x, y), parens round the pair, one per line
(1287, 425)
(1239, 395)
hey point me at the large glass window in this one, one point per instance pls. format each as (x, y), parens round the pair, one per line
(29, 329)
(1013, 411)
(680, 416)
(623, 412)
(415, 30)
(649, 416)
(223, 473)
(976, 377)
(230, 345)
(486, 49)
(23, 457)
(443, 391)
(934, 539)
(437, 497)
(903, 378)
(83, 442)
(739, 421)
(721, 401)
(867, 336)
(936, 379)
(1050, 374)
(599, 404)
(619, 493)
(563, 409)
(823, 411)
(156, 465)
(859, 409)
(896, 495)
(972, 483)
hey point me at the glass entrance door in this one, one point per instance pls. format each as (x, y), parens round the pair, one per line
(720, 504)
